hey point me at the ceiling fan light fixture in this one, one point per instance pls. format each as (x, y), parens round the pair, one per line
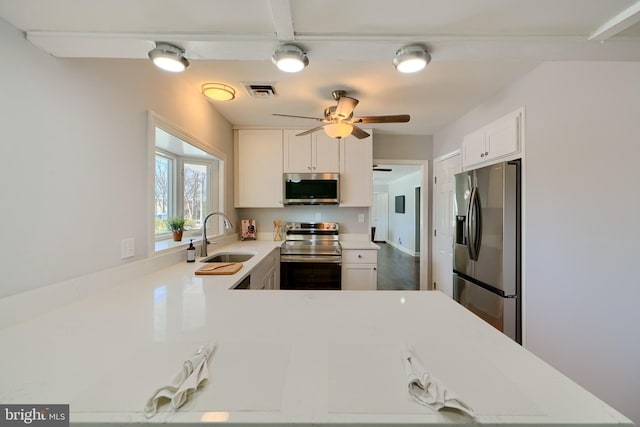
(218, 91)
(411, 59)
(290, 58)
(168, 57)
(338, 130)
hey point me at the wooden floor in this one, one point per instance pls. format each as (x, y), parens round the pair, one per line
(397, 270)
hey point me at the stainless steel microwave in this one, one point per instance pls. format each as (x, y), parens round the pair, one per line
(311, 188)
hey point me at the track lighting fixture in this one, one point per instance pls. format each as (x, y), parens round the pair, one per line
(169, 57)
(290, 58)
(411, 58)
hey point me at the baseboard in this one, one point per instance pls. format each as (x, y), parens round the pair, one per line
(403, 249)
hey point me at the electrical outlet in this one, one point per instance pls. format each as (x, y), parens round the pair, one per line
(127, 247)
(360, 217)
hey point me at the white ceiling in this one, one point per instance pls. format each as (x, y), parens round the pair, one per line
(398, 171)
(477, 47)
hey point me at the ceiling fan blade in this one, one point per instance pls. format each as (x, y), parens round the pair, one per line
(345, 107)
(358, 133)
(298, 117)
(307, 132)
(401, 118)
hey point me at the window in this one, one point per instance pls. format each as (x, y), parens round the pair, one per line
(187, 182)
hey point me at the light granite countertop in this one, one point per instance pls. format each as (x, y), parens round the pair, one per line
(281, 357)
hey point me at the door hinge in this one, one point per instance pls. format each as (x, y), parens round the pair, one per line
(435, 232)
(435, 179)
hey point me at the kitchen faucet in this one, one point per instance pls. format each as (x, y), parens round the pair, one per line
(205, 242)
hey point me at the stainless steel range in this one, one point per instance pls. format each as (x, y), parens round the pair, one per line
(311, 256)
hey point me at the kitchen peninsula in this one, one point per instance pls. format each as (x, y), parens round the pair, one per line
(281, 357)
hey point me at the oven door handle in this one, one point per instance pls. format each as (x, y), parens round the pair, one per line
(327, 259)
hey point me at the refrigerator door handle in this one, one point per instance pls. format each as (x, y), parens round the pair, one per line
(474, 225)
(469, 238)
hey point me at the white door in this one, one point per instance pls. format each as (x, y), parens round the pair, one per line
(380, 216)
(443, 222)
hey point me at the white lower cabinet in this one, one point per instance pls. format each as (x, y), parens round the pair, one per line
(359, 269)
(266, 275)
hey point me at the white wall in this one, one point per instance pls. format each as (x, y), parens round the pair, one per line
(346, 217)
(402, 225)
(402, 147)
(73, 175)
(582, 154)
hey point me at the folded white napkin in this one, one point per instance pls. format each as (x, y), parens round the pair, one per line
(426, 389)
(193, 372)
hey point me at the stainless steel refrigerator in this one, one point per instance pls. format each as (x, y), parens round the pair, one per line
(487, 245)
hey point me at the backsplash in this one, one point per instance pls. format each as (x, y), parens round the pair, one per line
(346, 217)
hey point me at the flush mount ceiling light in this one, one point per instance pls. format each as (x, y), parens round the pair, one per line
(218, 91)
(169, 57)
(290, 58)
(338, 130)
(411, 58)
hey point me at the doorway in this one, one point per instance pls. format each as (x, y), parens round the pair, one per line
(417, 215)
(415, 238)
(380, 216)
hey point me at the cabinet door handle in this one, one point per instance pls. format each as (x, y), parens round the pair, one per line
(486, 153)
(359, 256)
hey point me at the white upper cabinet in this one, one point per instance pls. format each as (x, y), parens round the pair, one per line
(356, 176)
(258, 169)
(315, 153)
(497, 140)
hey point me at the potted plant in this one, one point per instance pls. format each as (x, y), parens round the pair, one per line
(176, 225)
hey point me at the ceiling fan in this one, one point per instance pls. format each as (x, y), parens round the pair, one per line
(338, 120)
(377, 168)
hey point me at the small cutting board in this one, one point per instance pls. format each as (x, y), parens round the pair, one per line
(220, 268)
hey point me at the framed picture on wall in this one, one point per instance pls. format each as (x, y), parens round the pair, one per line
(399, 204)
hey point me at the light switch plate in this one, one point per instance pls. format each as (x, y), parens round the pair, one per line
(360, 217)
(127, 247)
(318, 216)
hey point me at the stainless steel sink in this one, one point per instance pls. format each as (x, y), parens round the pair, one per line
(228, 257)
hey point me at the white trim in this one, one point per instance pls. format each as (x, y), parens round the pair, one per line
(453, 154)
(618, 23)
(457, 152)
(402, 248)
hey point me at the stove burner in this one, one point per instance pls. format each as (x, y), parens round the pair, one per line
(311, 256)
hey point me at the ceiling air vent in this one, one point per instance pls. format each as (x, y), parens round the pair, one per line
(260, 90)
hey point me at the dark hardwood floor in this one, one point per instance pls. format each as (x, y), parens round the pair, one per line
(397, 270)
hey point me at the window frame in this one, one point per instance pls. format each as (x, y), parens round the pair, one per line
(172, 184)
(216, 191)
